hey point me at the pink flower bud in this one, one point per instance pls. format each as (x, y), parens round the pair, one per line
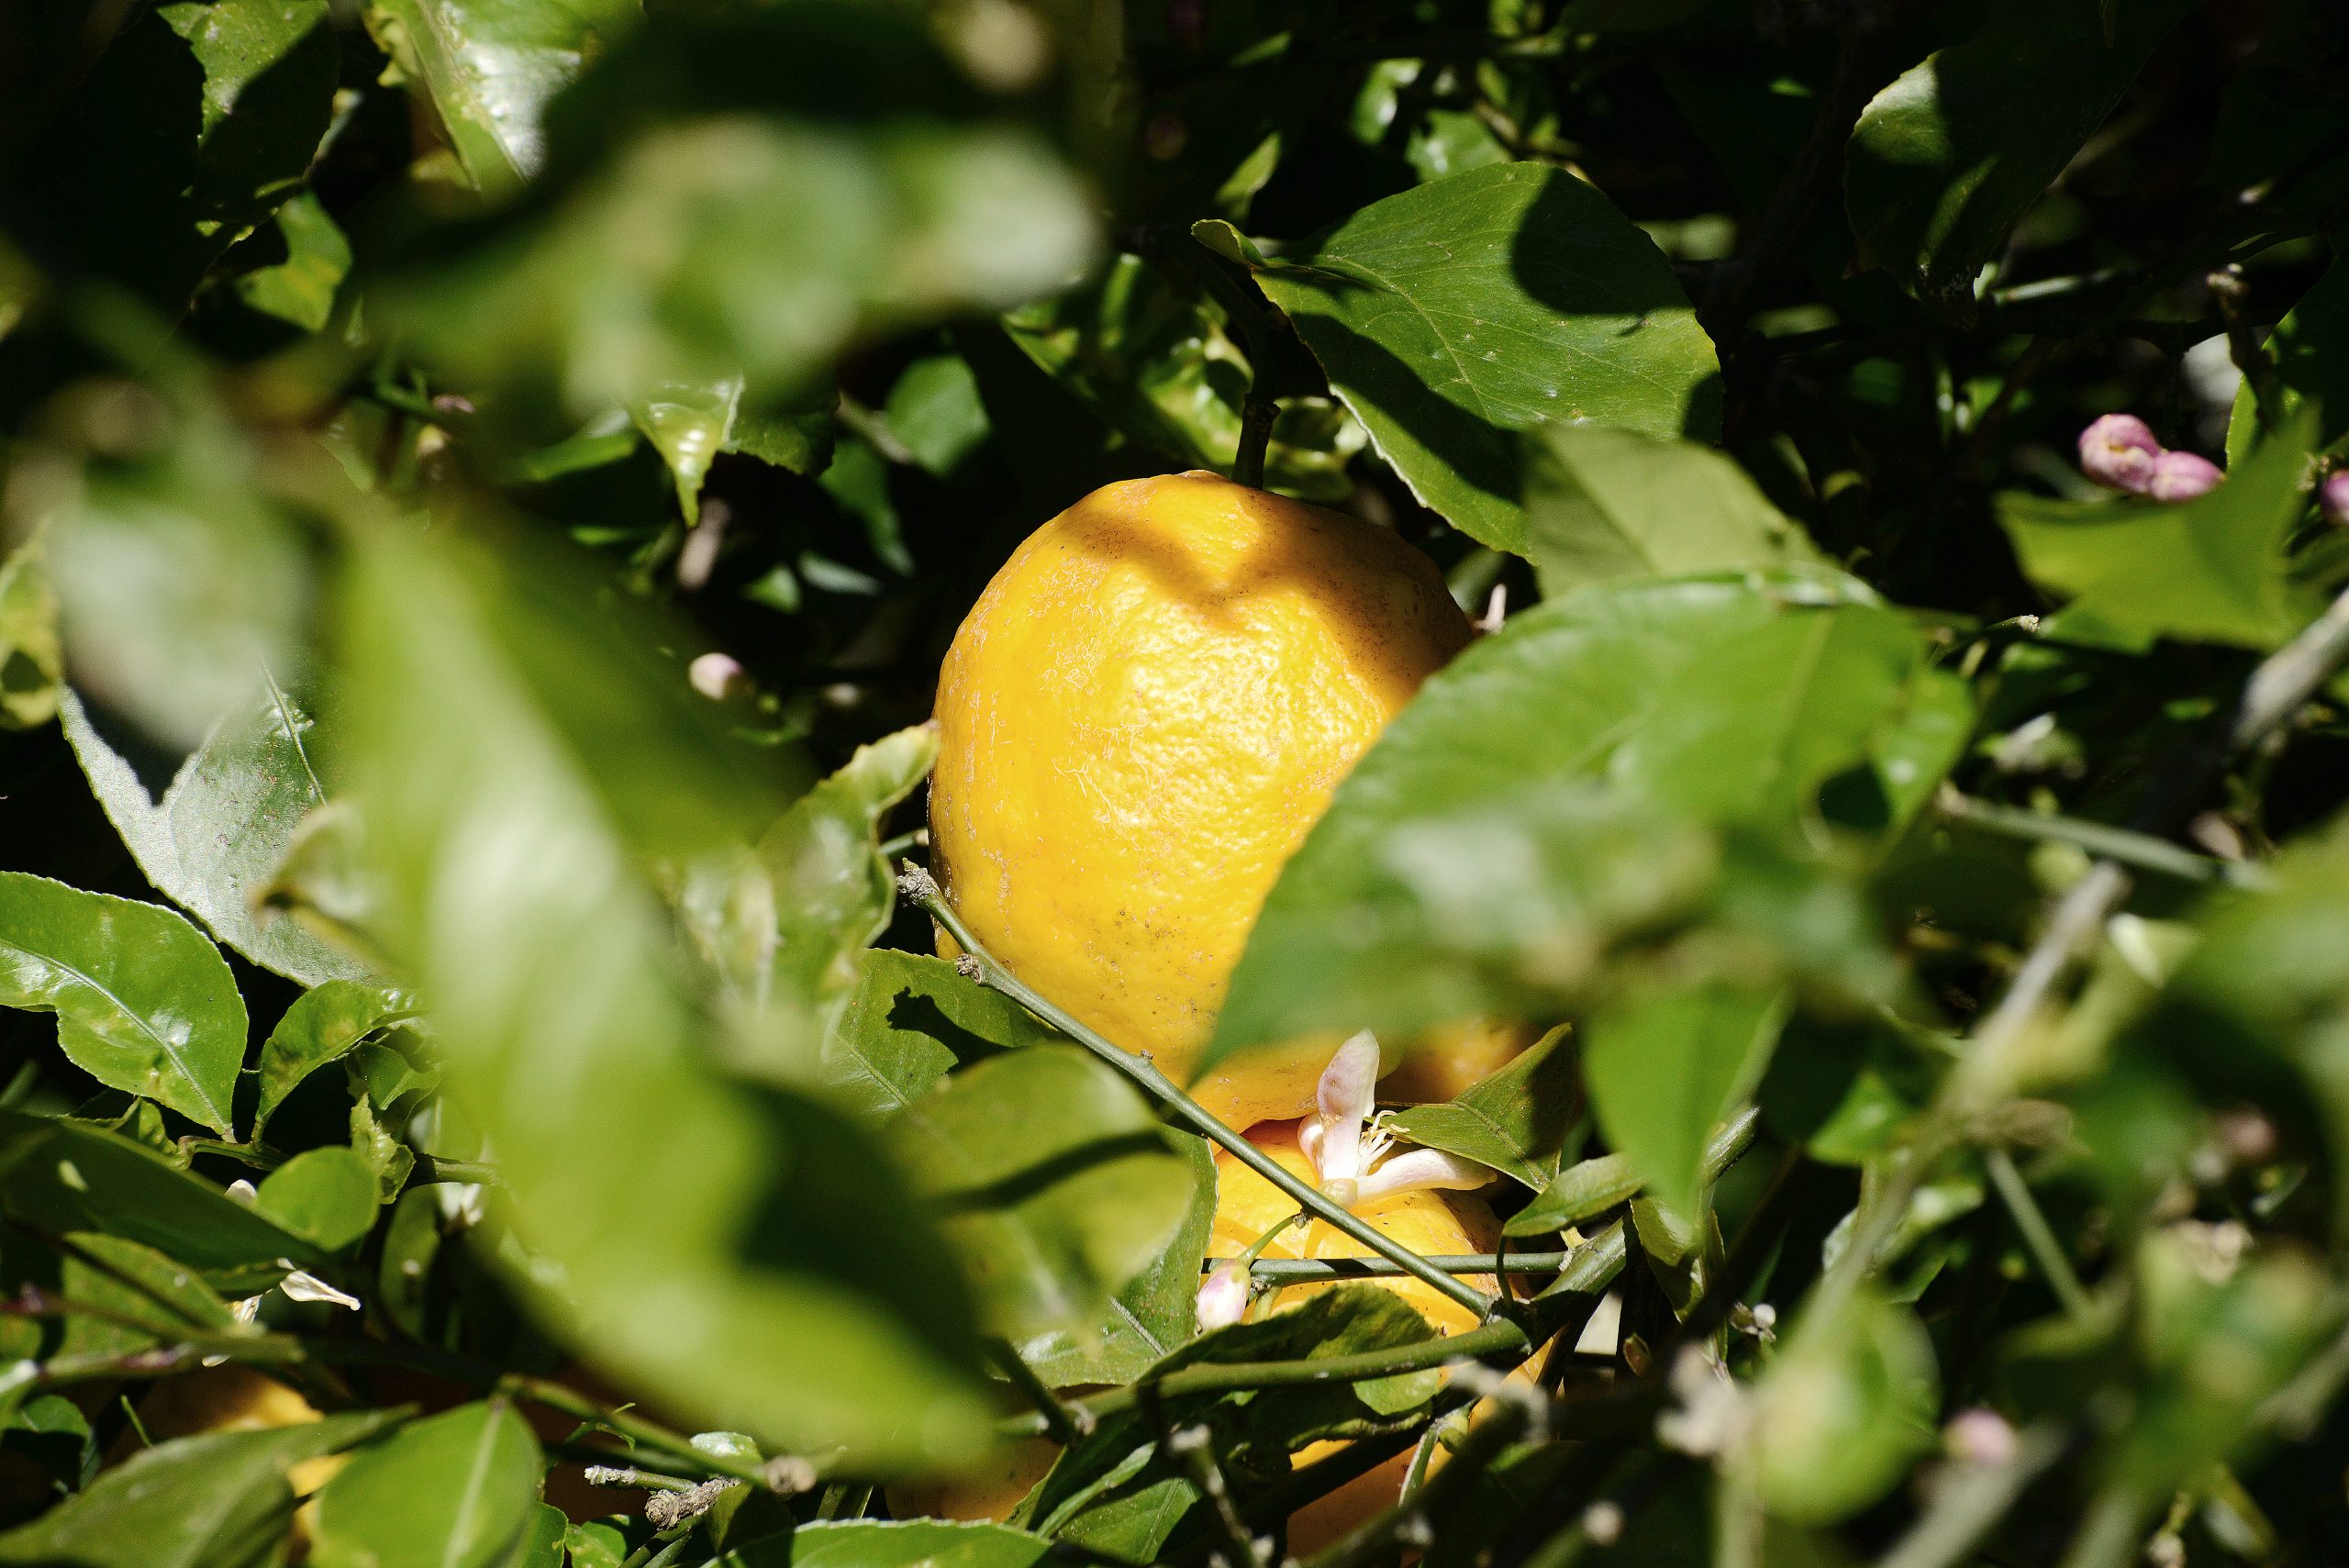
(715, 676)
(2118, 452)
(2332, 495)
(1223, 1299)
(2181, 476)
(1344, 1100)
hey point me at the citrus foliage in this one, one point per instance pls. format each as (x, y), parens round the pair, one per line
(488, 487)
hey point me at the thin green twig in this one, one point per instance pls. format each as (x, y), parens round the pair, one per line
(2141, 850)
(2037, 1234)
(922, 889)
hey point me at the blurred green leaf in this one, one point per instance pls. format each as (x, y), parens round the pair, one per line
(211, 1501)
(1667, 1068)
(1447, 316)
(2208, 570)
(195, 124)
(67, 1177)
(723, 1243)
(300, 290)
(144, 1003)
(182, 585)
(1842, 1412)
(910, 1020)
(1517, 1121)
(1051, 1176)
(812, 186)
(1472, 864)
(1156, 1311)
(2311, 347)
(1159, 367)
(450, 1491)
(32, 659)
(877, 1544)
(1602, 503)
(489, 67)
(322, 1026)
(326, 1196)
(1949, 156)
(224, 828)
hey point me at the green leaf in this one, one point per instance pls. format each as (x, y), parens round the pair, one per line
(1603, 504)
(323, 1024)
(2208, 570)
(32, 659)
(224, 827)
(834, 889)
(740, 1248)
(489, 67)
(540, 1542)
(1664, 1070)
(201, 1502)
(1486, 303)
(1517, 1121)
(875, 1544)
(2311, 347)
(595, 1546)
(450, 1491)
(1948, 157)
(935, 409)
(131, 1296)
(1051, 1177)
(67, 1177)
(821, 184)
(910, 1020)
(1846, 1407)
(1156, 1311)
(326, 1196)
(300, 290)
(1160, 366)
(194, 125)
(689, 425)
(1113, 1490)
(144, 1003)
(1474, 865)
(1584, 1188)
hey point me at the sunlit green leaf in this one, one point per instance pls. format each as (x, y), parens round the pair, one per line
(144, 1003)
(2311, 347)
(200, 1502)
(326, 1196)
(451, 1491)
(300, 290)
(1484, 304)
(2208, 570)
(487, 68)
(909, 1021)
(63, 1176)
(224, 827)
(1516, 1121)
(322, 1026)
(935, 409)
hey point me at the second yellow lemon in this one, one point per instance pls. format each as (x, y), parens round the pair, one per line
(1139, 721)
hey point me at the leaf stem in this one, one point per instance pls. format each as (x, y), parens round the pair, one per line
(1302, 1270)
(1256, 416)
(2141, 850)
(651, 1434)
(1063, 1423)
(920, 888)
(2037, 1234)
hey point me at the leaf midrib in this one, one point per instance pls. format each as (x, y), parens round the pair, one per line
(162, 1043)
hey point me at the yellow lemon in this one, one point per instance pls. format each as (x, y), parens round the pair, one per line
(1139, 721)
(232, 1398)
